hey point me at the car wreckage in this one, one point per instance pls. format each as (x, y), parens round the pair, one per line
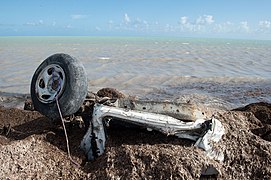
(59, 88)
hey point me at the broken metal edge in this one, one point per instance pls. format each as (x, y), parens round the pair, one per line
(93, 142)
(213, 135)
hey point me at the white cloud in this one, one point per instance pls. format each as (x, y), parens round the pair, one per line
(68, 26)
(205, 19)
(40, 22)
(169, 28)
(200, 20)
(265, 24)
(126, 18)
(209, 19)
(137, 21)
(201, 24)
(132, 24)
(78, 16)
(225, 27)
(183, 20)
(185, 25)
(244, 26)
(145, 22)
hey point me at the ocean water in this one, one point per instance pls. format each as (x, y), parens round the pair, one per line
(212, 71)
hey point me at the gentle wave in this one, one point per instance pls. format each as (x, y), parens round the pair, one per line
(142, 66)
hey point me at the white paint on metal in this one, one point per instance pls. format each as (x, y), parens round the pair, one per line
(165, 124)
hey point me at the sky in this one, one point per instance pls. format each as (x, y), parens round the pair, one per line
(249, 19)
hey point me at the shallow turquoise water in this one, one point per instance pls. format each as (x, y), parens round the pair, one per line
(141, 65)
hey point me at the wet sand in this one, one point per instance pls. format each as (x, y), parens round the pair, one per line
(32, 147)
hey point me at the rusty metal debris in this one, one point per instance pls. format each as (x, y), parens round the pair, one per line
(179, 119)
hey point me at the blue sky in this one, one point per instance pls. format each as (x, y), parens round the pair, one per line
(250, 19)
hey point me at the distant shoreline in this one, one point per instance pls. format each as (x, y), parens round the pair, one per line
(139, 38)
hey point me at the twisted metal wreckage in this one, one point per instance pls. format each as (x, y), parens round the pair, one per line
(64, 77)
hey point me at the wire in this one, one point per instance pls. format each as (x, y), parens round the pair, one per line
(67, 140)
(62, 119)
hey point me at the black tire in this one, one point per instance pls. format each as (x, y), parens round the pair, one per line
(70, 87)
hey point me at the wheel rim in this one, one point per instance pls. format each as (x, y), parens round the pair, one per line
(50, 83)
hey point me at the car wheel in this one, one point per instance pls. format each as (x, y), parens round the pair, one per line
(61, 76)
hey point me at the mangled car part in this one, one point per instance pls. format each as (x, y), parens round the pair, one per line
(64, 77)
(202, 131)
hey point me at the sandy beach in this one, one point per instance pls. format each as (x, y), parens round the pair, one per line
(33, 147)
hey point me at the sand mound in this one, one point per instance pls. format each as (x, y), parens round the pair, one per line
(33, 147)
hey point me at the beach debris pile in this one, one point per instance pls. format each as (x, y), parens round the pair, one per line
(35, 148)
